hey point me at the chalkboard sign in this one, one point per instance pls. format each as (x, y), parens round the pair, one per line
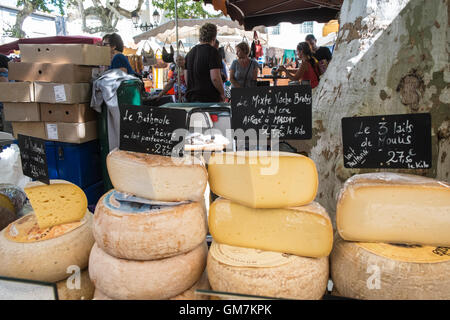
(151, 129)
(389, 141)
(34, 159)
(281, 112)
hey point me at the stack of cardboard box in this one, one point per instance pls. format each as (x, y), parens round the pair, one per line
(51, 95)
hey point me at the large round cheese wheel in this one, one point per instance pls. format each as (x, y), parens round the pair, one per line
(189, 294)
(146, 280)
(67, 288)
(157, 177)
(385, 271)
(265, 273)
(28, 252)
(143, 232)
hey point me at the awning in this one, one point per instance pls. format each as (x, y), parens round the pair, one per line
(190, 27)
(252, 13)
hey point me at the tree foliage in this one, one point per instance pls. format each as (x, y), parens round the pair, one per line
(187, 9)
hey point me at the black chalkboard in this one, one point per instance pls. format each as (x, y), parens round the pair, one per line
(34, 159)
(389, 141)
(151, 130)
(283, 112)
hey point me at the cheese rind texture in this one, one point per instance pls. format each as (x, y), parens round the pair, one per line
(394, 208)
(263, 179)
(240, 270)
(68, 290)
(388, 272)
(157, 177)
(303, 231)
(122, 279)
(143, 232)
(46, 260)
(57, 203)
(187, 295)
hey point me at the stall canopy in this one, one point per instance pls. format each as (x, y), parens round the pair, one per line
(10, 47)
(187, 27)
(252, 13)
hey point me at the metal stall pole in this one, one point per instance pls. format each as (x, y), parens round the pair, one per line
(178, 52)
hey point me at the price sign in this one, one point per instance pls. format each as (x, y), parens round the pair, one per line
(281, 112)
(34, 158)
(152, 130)
(401, 141)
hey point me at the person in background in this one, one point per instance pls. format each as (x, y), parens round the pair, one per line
(309, 68)
(322, 54)
(243, 70)
(173, 81)
(119, 61)
(223, 72)
(203, 65)
(3, 68)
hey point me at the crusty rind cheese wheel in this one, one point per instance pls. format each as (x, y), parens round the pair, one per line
(300, 278)
(66, 291)
(189, 294)
(122, 279)
(148, 235)
(355, 271)
(47, 260)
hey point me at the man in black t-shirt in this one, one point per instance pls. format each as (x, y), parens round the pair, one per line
(322, 54)
(203, 69)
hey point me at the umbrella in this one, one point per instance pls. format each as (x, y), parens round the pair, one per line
(252, 13)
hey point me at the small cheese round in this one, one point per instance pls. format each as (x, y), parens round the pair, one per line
(28, 252)
(265, 273)
(67, 288)
(143, 232)
(382, 271)
(189, 294)
(146, 280)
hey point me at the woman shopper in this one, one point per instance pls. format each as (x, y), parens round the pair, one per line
(203, 66)
(119, 61)
(309, 68)
(243, 70)
(173, 81)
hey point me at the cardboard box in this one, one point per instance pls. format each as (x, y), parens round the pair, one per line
(81, 54)
(71, 132)
(49, 72)
(67, 93)
(33, 129)
(16, 92)
(22, 111)
(75, 113)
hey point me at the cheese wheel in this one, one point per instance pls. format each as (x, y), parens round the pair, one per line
(143, 232)
(27, 252)
(265, 273)
(189, 294)
(146, 280)
(390, 272)
(67, 289)
(394, 208)
(157, 177)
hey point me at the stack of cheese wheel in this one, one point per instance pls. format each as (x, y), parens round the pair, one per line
(150, 229)
(270, 238)
(394, 237)
(51, 244)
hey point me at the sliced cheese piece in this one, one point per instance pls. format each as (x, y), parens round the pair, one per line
(146, 280)
(303, 231)
(76, 287)
(265, 273)
(394, 208)
(189, 294)
(137, 231)
(57, 203)
(28, 252)
(259, 179)
(157, 177)
(390, 272)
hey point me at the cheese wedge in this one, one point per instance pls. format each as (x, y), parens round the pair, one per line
(57, 203)
(303, 231)
(394, 208)
(259, 179)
